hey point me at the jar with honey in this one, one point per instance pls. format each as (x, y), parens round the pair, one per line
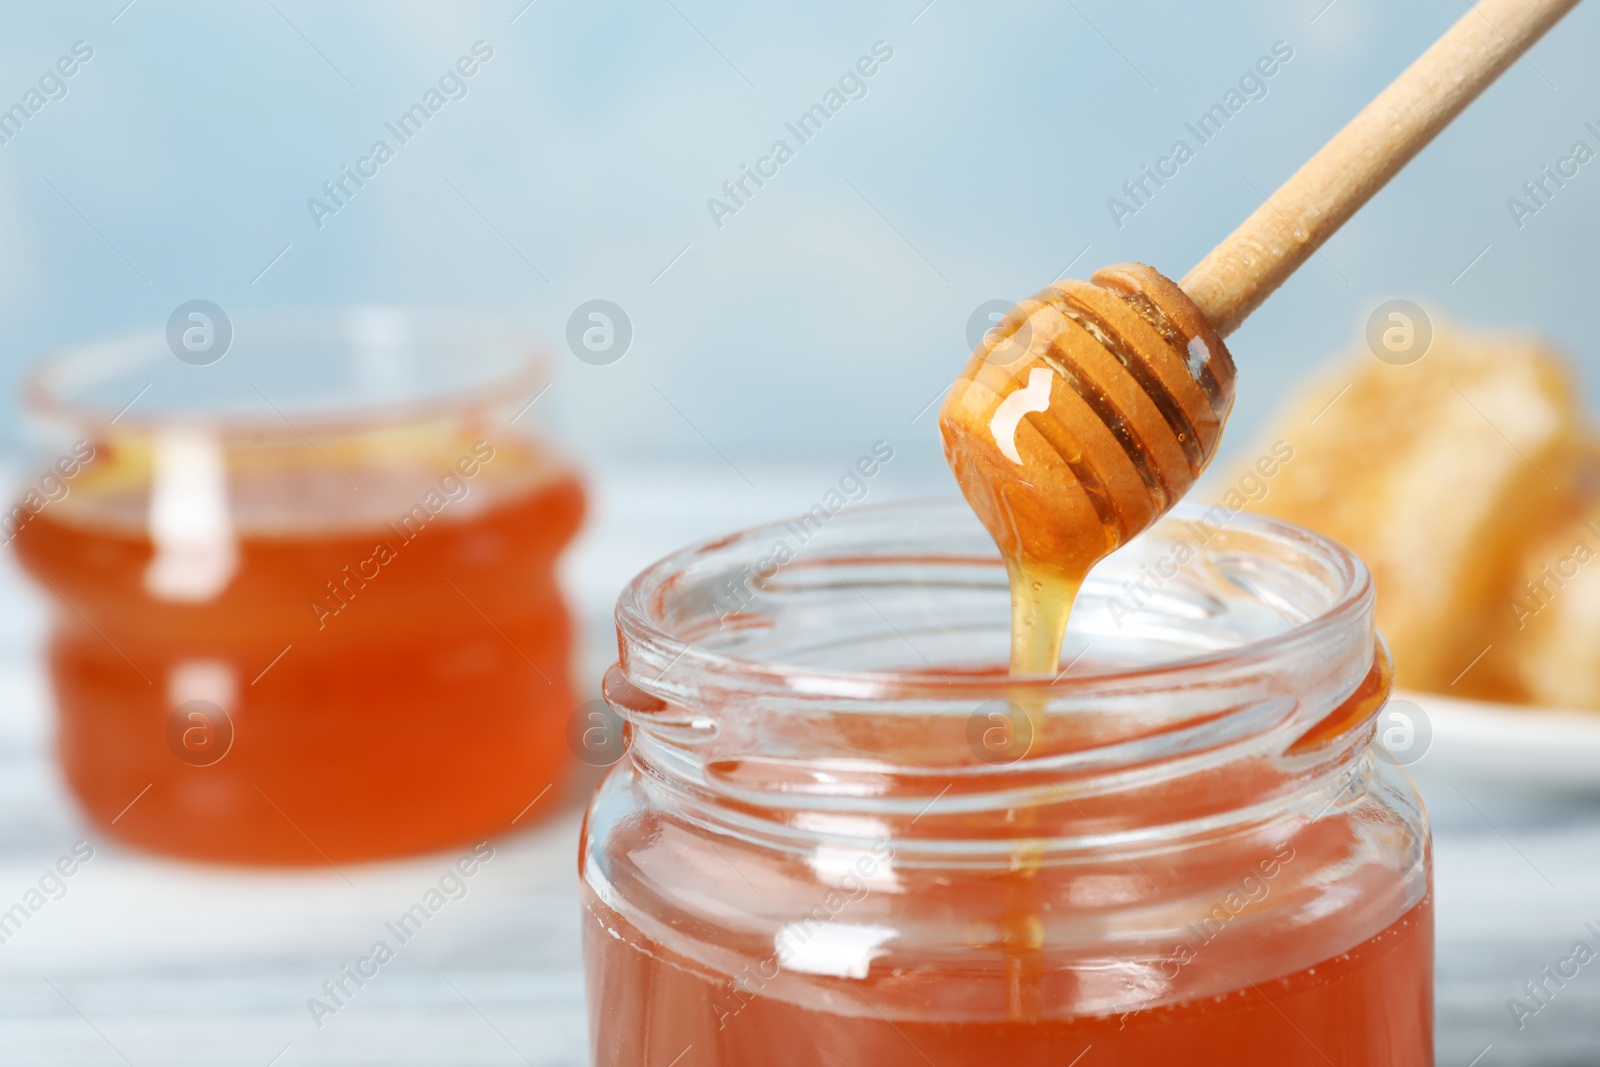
(302, 588)
(843, 833)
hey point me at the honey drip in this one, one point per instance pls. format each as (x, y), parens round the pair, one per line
(1085, 415)
(1081, 418)
(1041, 601)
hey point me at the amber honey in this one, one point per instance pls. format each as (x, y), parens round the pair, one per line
(371, 660)
(653, 1007)
(1365, 1001)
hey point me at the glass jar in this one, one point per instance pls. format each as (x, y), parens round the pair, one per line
(842, 834)
(301, 580)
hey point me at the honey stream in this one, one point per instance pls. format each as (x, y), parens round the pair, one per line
(1085, 415)
(1041, 603)
(1044, 586)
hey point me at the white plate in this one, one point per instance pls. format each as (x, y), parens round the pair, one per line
(1510, 744)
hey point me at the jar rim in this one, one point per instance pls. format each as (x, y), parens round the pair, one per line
(645, 637)
(498, 362)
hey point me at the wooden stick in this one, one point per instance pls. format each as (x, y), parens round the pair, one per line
(1260, 255)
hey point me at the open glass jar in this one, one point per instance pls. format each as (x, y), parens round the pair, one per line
(302, 585)
(843, 834)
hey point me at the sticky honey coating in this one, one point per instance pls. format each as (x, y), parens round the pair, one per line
(1079, 420)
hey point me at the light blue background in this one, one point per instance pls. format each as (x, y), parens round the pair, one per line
(834, 306)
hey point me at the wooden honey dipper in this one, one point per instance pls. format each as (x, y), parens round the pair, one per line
(1093, 406)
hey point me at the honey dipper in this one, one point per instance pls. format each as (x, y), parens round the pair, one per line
(1093, 406)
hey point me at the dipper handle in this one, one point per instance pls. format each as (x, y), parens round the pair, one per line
(1256, 258)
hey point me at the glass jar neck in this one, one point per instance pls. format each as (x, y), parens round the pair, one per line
(740, 723)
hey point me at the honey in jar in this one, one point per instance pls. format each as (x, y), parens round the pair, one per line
(304, 631)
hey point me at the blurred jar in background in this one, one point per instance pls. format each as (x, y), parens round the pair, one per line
(303, 587)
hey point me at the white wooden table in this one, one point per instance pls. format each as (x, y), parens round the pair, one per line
(160, 964)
